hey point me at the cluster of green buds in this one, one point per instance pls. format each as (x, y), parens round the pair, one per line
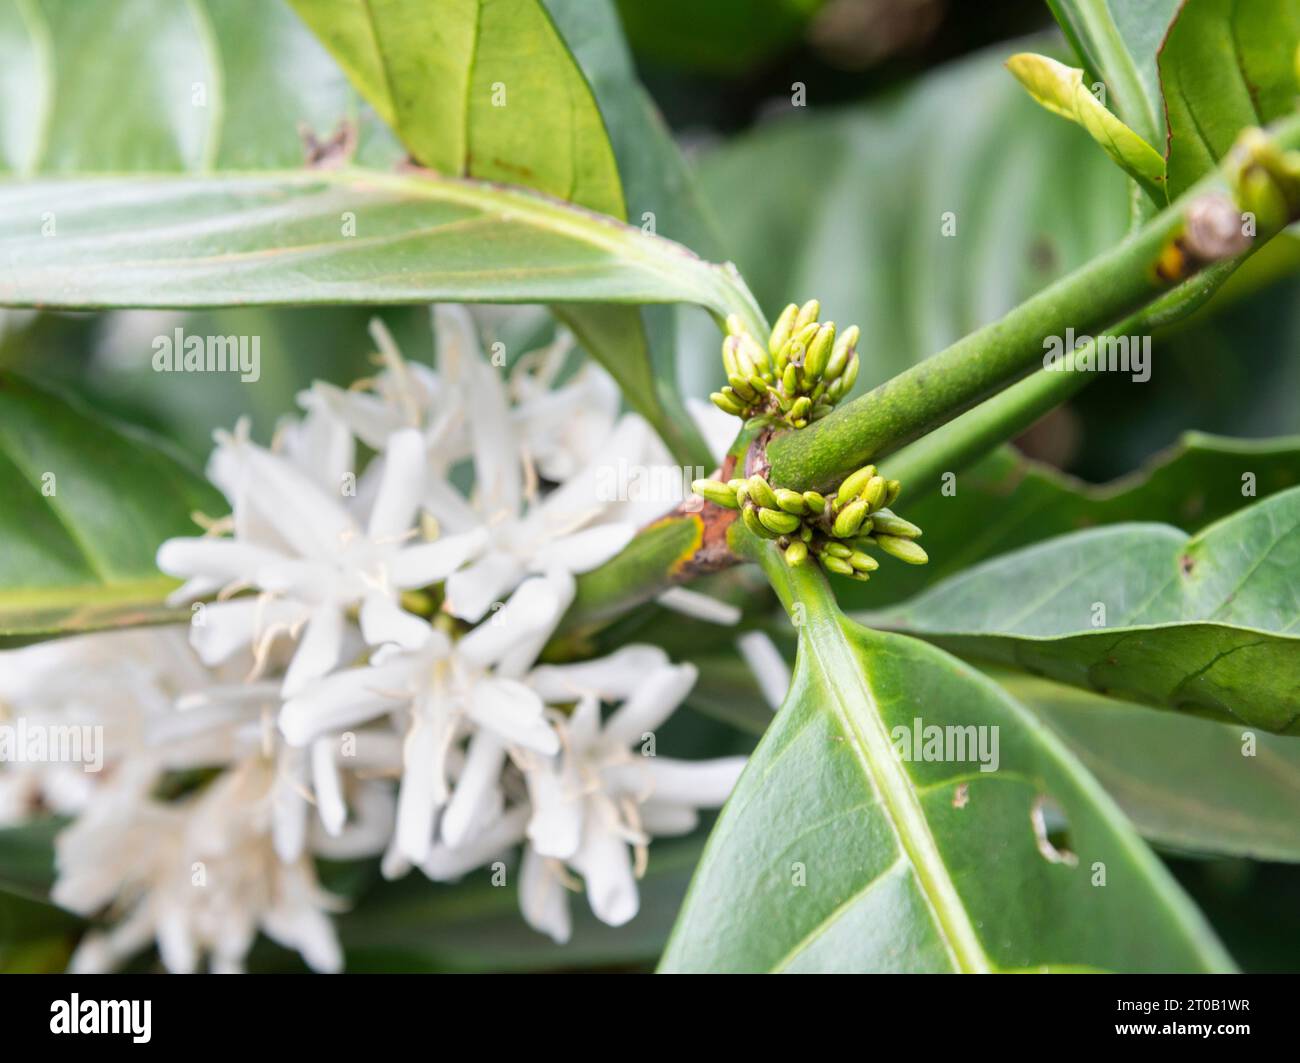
(800, 376)
(836, 530)
(1265, 179)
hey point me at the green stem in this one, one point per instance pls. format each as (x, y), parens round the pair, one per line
(1092, 298)
(965, 439)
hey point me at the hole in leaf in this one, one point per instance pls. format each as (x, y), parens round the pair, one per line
(1052, 832)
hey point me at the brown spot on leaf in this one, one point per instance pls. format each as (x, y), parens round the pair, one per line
(961, 795)
(1186, 564)
(334, 151)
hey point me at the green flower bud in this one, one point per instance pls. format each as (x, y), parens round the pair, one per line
(806, 533)
(718, 493)
(761, 492)
(903, 549)
(863, 562)
(893, 488)
(861, 577)
(801, 408)
(727, 404)
(734, 325)
(751, 349)
(808, 313)
(863, 541)
(836, 564)
(814, 501)
(819, 411)
(790, 379)
(778, 521)
(741, 387)
(891, 523)
(839, 550)
(819, 351)
(874, 493)
(741, 488)
(845, 345)
(791, 501)
(853, 485)
(729, 364)
(850, 376)
(796, 553)
(750, 516)
(783, 329)
(850, 519)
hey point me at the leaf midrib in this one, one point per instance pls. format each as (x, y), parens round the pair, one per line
(828, 647)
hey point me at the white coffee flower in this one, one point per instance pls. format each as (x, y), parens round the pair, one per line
(592, 807)
(200, 876)
(313, 558)
(447, 692)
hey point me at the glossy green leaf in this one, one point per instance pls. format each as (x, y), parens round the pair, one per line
(835, 854)
(1187, 784)
(87, 504)
(1060, 89)
(477, 88)
(1007, 501)
(1208, 624)
(1225, 66)
(918, 219)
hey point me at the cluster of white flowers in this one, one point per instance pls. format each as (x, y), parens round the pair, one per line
(361, 674)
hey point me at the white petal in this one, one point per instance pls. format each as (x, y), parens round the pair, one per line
(767, 664)
(606, 866)
(471, 591)
(224, 560)
(313, 520)
(650, 705)
(327, 782)
(584, 550)
(402, 487)
(454, 513)
(345, 700)
(423, 789)
(612, 678)
(516, 661)
(543, 900)
(318, 652)
(477, 797)
(288, 806)
(555, 828)
(664, 818)
(700, 606)
(445, 864)
(513, 712)
(427, 563)
(221, 629)
(532, 608)
(384, 621)
(701, 783)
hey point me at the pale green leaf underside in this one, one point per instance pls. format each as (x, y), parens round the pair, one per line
(1208, 624)
(284, 238)
(86, 505)
(834, 855)
(1190, 785)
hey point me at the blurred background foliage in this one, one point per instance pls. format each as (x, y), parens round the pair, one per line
(908, 115)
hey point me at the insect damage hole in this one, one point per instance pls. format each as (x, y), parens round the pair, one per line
(1052, 832)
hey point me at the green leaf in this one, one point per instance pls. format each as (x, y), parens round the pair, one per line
(477, 89)
(1060, 89)
(1224, 66)
(87, 504)
(279, 239)
(856, 206)
(835, 854)
(1205, 624)
(252, 71)
(1007, 501)
(1187, 784)
(1117, 42)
